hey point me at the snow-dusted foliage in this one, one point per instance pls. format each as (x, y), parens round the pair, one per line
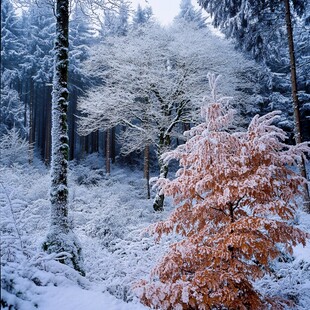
(235, 194)
(141, 16)
(109, 215)
(26, 271)
(258, 28)
(11, 113)
(148, 75)
(190, 14)
(153, 81)
(13, 148)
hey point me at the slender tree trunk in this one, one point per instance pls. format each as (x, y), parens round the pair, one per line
(60, 237)
(72, 124)
(147, 169)
(108, 152)
(48, 121)
(86, 144)
(113, 151)
(296, 106)
(24, 99)
(94, 142)
(31, 124)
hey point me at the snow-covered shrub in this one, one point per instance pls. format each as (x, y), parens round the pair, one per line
(13, 148)
(24, 221)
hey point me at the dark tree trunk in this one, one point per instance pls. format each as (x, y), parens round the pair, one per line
(86, 145)
(31, 124)
(60, 237)
(94, 142)
(113, 147)
(108, 152)
(48, 122)
(72, 124)
(296, 106)
(147, 169)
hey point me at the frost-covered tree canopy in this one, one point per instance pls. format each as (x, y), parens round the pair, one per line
(155, 78)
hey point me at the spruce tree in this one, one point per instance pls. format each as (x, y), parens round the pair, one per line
(11, 109)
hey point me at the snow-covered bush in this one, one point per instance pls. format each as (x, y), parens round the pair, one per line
(13, 148)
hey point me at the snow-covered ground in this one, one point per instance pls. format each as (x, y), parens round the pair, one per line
(109, 214)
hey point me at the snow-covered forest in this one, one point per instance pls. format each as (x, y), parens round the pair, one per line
(149, 166)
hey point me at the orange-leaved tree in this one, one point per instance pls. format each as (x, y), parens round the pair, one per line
(235, 193)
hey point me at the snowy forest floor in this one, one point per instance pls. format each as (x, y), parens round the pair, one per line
(109, 214)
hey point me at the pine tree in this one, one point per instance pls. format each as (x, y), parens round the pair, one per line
(141, 16)
(11, 109)
(37, 71)
(190, 14)
(81, 37)
(61, 237)
(235, 193)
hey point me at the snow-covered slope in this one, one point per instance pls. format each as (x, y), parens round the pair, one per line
(109, 214)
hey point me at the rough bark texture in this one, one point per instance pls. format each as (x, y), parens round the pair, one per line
(31, 124)
(147, 169)
(108, 152)
(296, 107)
(60, 237)
(47, 152)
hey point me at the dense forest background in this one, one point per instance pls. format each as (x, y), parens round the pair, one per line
(256, 30)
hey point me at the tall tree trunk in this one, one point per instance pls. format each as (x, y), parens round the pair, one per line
(87, 144)
(72, 124)
(296, 106)
(147, 169)
(94, 142)
(113, 148)
(60, 237)
(24, 100)
(48, 121)
(108, 152)
(31, 123)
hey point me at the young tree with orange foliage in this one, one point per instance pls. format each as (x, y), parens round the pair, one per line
(235, 193)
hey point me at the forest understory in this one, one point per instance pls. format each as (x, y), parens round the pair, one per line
(109, 215)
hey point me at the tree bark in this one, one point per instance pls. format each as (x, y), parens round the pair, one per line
(296, 106)
(48, 121)
(60, 237)
(72, 124)
(147, 169)
(31, 124)
(108, 152)
(113, 147)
